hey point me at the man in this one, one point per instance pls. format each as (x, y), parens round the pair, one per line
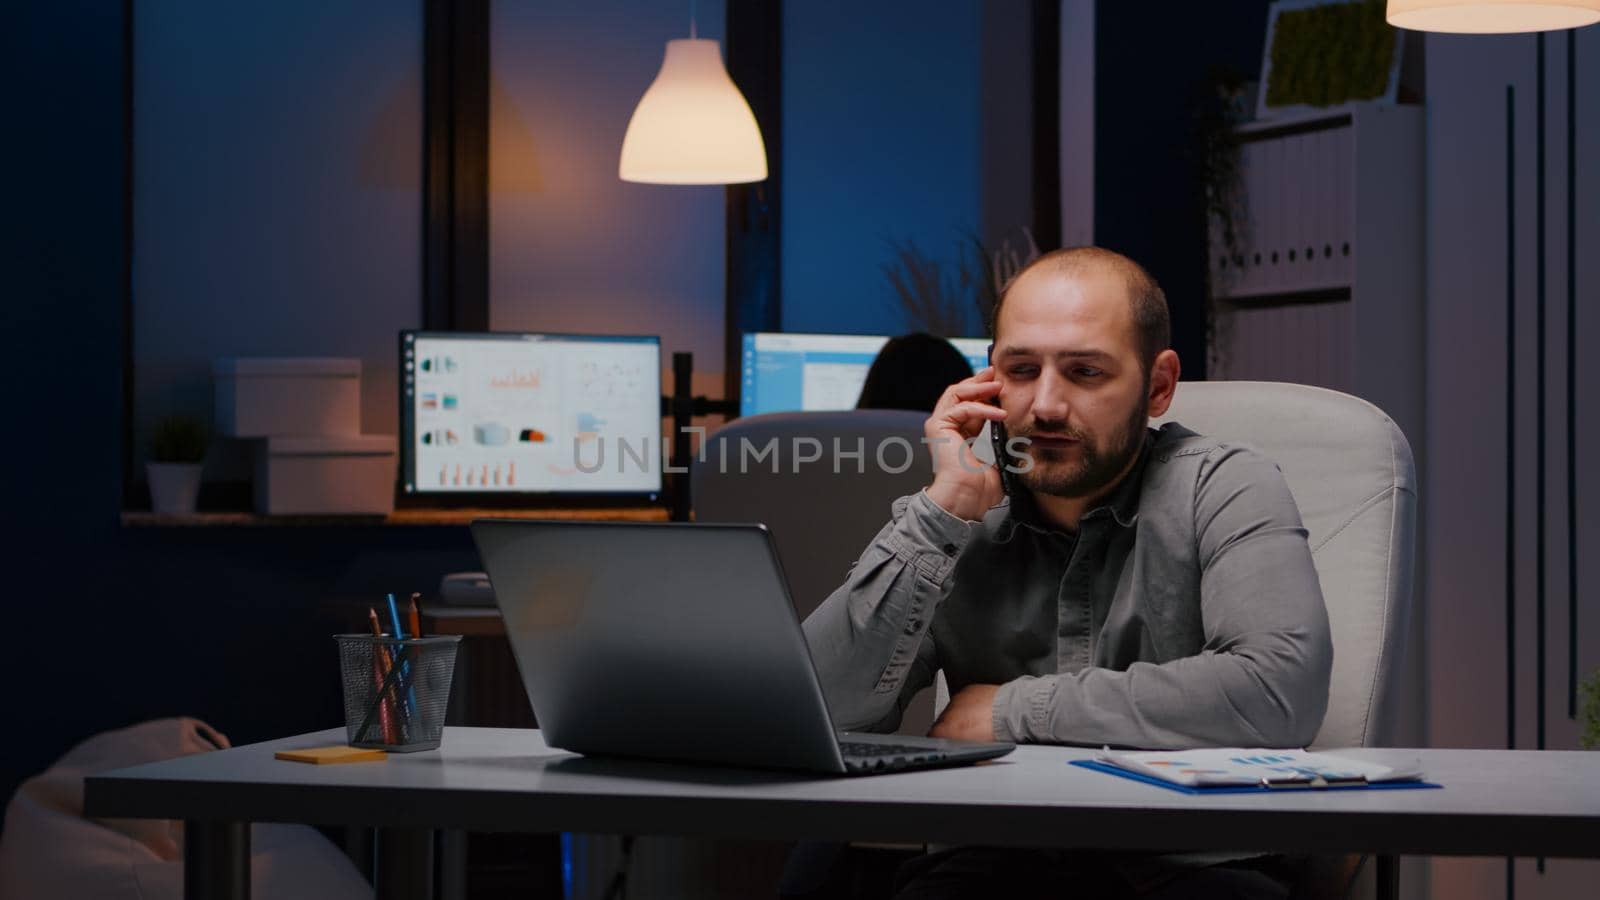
(1139, 588)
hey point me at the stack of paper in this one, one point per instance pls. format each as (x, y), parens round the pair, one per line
(1236, 766)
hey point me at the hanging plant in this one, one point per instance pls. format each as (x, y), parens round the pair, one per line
(1589, 716)
(1220, 108)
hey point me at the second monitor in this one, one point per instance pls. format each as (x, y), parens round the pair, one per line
(808, 372)
(486, 415)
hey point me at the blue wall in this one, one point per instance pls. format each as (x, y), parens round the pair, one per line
(881, 142)
(306, 229)
(63, 314)
(107, 625)
(277, 171)
(1148, 195)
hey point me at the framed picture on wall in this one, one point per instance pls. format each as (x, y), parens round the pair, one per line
(1322, 54)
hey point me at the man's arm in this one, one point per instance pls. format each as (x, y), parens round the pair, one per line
(869, 638)
(1261, 679)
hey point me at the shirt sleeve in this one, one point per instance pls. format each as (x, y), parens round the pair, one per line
(869, 639)
(1261, 678)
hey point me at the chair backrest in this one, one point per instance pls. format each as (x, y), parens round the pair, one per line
(823, 512)
(1351, 472)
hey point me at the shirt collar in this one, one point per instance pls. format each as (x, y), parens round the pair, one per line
(1122, 505)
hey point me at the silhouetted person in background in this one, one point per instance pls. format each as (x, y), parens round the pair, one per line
(911, 372)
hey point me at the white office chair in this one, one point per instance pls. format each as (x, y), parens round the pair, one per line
(1347, 464)
(1351, 472)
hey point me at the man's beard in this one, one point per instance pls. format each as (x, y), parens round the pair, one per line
(1099, 462)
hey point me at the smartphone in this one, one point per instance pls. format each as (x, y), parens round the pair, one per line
(997, 442)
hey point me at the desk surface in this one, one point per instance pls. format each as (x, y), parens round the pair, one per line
(404, 516)
(1494, 802)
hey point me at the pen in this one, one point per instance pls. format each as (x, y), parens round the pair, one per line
(410, 705)
(416, 618)
(394, 618)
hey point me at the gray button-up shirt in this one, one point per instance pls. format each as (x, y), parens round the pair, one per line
(1185, 611)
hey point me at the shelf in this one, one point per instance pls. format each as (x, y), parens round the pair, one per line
(1300, 123)
(468, 621)
(1290, 298)
(400, 517)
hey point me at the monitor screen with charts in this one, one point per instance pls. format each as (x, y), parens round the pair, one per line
(511, 414)
(807, 372)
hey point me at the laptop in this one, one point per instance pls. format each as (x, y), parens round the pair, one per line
(676, 641)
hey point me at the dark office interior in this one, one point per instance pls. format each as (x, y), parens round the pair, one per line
(206, 187)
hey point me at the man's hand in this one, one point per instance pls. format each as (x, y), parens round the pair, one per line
(969, 716)
(964, 485)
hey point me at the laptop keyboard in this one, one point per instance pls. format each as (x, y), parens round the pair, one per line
(856, 748)
(877, 757)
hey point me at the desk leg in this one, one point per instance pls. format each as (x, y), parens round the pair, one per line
(216, 860)
(1388, 877)
(452, 864)
(404, 865)
(358, 845)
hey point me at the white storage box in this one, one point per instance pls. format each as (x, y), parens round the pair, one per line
(265, 396)
(326, 475)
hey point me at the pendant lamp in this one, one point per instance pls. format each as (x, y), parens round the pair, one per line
(1492, 16)
(693, 126)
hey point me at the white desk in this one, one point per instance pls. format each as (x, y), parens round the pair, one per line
(1494, 803)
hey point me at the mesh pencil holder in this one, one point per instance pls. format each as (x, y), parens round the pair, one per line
(396, 692)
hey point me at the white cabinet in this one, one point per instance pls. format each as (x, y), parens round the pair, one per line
(1325, 285)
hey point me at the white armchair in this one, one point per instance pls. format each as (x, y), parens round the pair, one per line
(1351, 473)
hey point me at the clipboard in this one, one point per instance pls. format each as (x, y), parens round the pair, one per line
(1281, 787)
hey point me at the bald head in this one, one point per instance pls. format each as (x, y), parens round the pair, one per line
(1147, 305)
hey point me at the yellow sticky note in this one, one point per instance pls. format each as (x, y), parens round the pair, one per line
(325, 755)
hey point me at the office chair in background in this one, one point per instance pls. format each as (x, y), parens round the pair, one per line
(820, 520)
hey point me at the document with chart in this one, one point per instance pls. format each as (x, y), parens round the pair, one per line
(1234, 767)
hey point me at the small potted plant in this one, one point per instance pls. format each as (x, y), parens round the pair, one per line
(177, 450)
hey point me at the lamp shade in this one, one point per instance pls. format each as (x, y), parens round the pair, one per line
(693, 126)
(1492, 16)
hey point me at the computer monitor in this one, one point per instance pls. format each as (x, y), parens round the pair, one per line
(805, 372)
(510, 414)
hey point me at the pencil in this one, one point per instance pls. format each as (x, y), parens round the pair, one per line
(380, 660)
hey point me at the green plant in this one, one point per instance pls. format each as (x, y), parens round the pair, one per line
(179, 439)
(1589, 714)
(1330, 53)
